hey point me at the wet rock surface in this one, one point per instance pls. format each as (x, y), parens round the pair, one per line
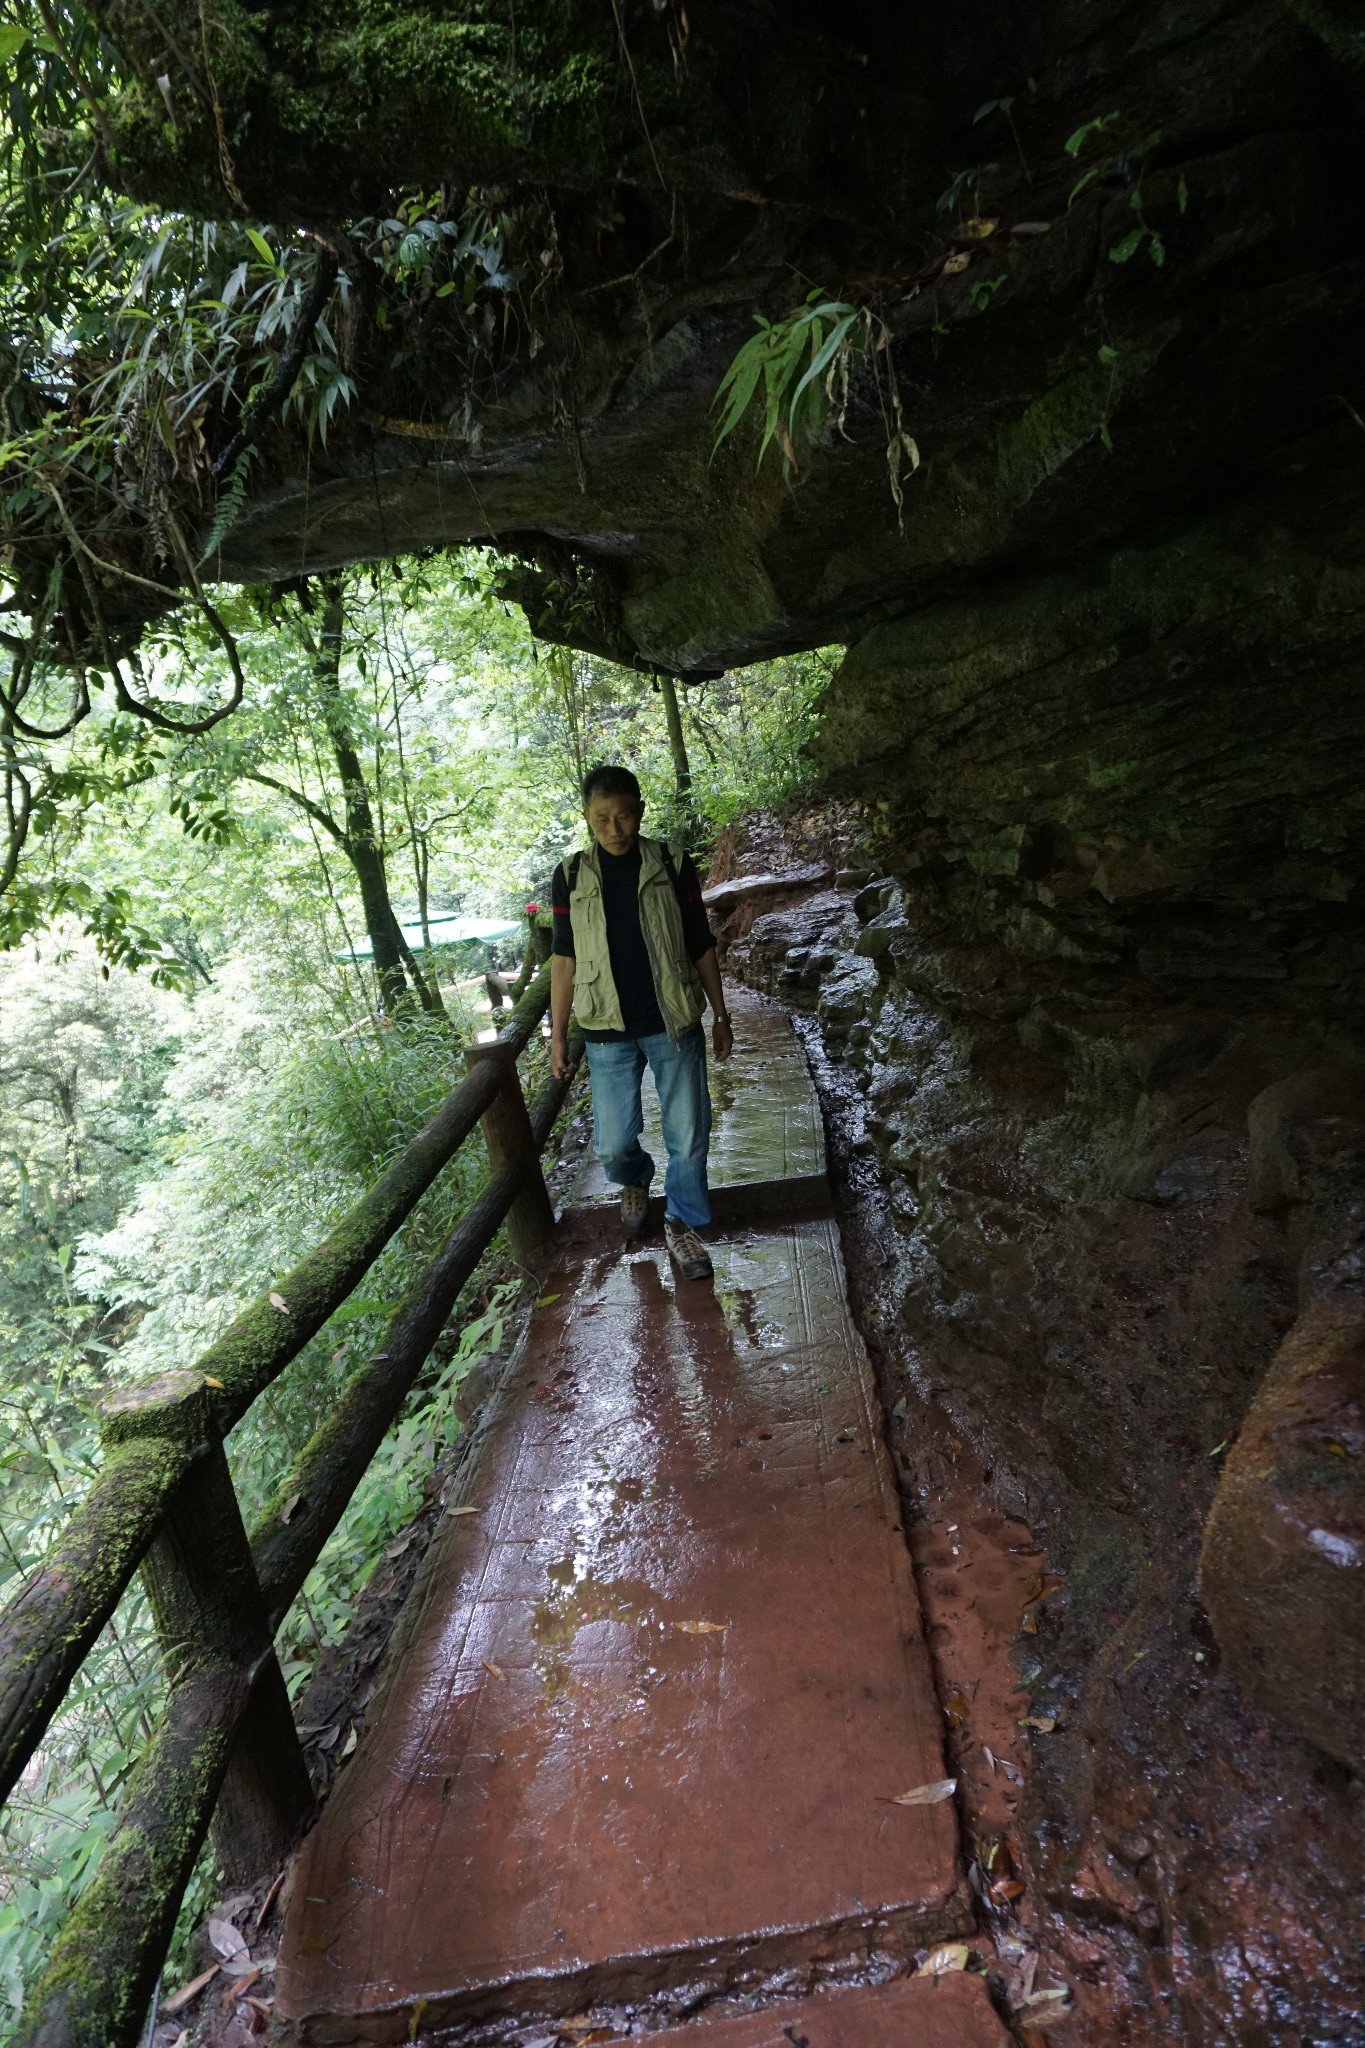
(1075, 1267)
(1283, 1564)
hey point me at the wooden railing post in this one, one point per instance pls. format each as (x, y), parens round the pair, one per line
(207, 1604)
(507, 1133)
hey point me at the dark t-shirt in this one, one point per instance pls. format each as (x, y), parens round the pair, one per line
(626, 946)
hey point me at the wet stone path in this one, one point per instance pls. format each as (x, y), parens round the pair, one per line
(663, 1676)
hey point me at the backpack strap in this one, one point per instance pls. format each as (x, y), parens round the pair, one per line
(571, 867)
(668, 858)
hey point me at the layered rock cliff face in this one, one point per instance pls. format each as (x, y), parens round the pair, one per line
(1101, 1010)
(1101, 1153)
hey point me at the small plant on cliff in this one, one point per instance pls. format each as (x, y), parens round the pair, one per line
(805, 364)
(1130, 166)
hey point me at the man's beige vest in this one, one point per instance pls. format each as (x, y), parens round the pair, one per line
(676, 982)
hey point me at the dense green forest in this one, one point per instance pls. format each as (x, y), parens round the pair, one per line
(187, 1101)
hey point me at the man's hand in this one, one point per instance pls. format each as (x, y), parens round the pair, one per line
(722, 1038)
(561, 1005)
(561, 1066)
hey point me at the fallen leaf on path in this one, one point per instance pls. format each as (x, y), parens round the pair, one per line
(466, 1511)
(225, 1937)
(703, 1628)
(1028, 1625)
(494, 1670)
(1008, 1888)
(351, 1740)
(278, 1301)
(979, 230)
(287, 1512)
(576, 2028)
(181, 1998)
(957, 263)
(949, 1955)
(1027, 1973)
(927, 1795)
(1045, 2005)
(545, 1300)
(241, 1966)
(217, 1385)
(1043, 1723)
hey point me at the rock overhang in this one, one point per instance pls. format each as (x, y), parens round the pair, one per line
(1060, 402)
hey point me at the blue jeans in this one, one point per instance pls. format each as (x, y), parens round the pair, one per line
(685, 1107)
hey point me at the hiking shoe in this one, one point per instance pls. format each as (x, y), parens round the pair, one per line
(688, 1250)
(634, 1209)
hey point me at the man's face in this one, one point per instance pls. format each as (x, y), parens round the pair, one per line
(614, 821)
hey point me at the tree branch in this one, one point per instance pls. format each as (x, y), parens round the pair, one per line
(305, 803)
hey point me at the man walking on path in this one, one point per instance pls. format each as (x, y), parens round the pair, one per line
(634, 956)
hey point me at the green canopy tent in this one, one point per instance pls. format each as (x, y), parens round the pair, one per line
(447, 933)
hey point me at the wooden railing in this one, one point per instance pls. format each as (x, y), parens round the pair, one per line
(226, 1751)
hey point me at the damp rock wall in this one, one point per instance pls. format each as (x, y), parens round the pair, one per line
(1087, 1026)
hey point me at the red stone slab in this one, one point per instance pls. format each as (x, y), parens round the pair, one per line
(952, 2011)
(654, 1701)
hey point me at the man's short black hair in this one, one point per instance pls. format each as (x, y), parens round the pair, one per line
(606, 780)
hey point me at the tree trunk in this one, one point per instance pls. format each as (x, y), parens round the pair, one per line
(393, 961)
(677, 745)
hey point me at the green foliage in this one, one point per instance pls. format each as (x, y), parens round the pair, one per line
(1129, 164)
(801, 368)
(795, 366)
(962, 182)
(143, 346)
(226, 1131)
(82, 1064)
(1076, 141)
(985, 289)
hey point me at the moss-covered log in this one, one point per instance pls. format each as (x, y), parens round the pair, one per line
(507, 1136)
(105, 1962)
(330, 1467)
(48, 1629)
(206, 1599)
